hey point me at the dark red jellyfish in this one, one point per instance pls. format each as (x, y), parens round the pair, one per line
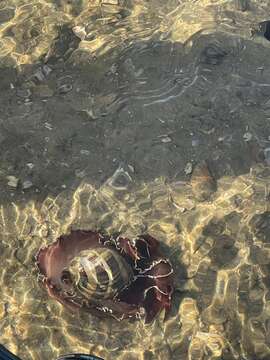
(107, 275)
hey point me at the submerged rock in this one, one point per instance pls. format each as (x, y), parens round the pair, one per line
(202, 182)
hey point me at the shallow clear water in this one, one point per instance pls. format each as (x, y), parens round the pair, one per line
(91, 91)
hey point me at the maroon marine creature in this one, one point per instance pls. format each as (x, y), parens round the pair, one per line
(107, 275)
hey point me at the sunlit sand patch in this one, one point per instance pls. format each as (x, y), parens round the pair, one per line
(30, 30)
(221, 245)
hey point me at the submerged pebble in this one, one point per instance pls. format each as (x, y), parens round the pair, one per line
(23, 93)
(188, 168)
(166, 139)
(30, 165)
(42, 73)
(85, 152)
(27, 184)
(80, 32)
(39, 75)
(247, 136)
(64, 89)
(13, 181)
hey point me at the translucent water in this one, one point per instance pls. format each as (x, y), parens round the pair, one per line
(105, 108)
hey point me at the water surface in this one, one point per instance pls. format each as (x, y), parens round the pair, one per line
(149, 88)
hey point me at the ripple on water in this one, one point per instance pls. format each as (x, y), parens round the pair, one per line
(224, 292)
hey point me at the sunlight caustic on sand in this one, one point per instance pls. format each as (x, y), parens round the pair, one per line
(220, 255)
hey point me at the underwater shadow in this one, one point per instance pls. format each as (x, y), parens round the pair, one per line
(158, 107)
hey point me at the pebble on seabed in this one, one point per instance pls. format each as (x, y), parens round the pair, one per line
(12, 181)
(80, 32)
(27, 184)
(247, 136)
(166, 139)
(188, 168)
(63, 89)
(30, 165)
(23, 93)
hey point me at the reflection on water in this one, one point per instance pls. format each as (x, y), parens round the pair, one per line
(28, 29)
(157, 86)
(219, 249)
